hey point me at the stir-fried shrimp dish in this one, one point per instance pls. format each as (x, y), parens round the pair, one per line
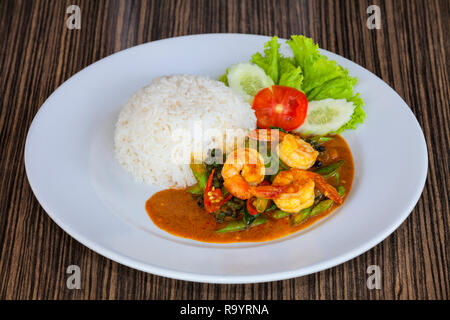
(290, 166)
(243, 201)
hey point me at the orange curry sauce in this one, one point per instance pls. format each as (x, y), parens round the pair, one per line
(176, 212)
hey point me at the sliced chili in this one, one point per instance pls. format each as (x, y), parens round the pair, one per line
(213, 198)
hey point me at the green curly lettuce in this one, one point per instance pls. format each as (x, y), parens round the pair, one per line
(324, 78)
(224, 77)
(270, 61)
(290, 75)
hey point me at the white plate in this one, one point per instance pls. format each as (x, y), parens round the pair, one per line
(71, 169)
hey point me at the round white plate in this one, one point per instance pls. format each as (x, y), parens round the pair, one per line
(71, 168)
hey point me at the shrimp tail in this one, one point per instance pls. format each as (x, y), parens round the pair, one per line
(267, 192)
(327, 190)
(238, 187)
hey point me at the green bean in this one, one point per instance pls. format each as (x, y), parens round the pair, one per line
(272, 206)
(233, 204)
(200, 173)
(329, 170)
(321, 206)
(233, 226)
(318, 208)
(195, 189)
(241, 225)
(341, 191)
(278, 214)
(337, 177)
(300, 216)
(321, 139)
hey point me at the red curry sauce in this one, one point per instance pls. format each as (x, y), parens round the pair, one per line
(176, 212)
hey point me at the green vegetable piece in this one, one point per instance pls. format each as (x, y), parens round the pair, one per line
(320, 139)
(300, 216)
(337, 177)
(249, 218)
(258, 221)
(329, 170)
(304, 49)
(272, 206)
(358, 115)
(341, 191)
(279, 214)
(200, 173)
(323, 78)
(321, 206)
(290, 75)
(261, 204)
(233, 226)
(247, 79)
(241, 225)
(269, 62)
(278, 128)
(224, 77)
(195, 189)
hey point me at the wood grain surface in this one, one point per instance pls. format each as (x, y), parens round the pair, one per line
(38, 53)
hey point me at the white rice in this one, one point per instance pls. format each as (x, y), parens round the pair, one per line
(173, 106)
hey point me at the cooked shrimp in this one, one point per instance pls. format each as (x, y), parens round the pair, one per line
(292, 150)
(243, 171)
(296, 153)
(299, 187)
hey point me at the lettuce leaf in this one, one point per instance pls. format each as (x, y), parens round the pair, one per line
(290, 75)
(282, 70)
(324, 78)
(358, 115)
(269, 62)
(304, 49)
(224, 77)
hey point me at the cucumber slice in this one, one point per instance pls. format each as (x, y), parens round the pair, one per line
(247, 79)
(326, 116)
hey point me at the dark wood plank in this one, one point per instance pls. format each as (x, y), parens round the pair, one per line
(38, 53)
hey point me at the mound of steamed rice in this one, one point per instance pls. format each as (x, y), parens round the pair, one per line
(144, 135)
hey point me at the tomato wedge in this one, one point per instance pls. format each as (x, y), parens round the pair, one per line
(213, 198)
(280, 106)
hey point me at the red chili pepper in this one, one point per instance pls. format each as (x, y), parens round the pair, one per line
(251, 208)
(213, 198)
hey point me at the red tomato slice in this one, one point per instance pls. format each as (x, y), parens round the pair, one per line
(280, 106)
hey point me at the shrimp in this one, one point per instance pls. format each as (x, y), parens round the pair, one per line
(242, 172)
(299, 187)
(292, 150)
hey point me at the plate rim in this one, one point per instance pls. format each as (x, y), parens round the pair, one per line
(134, 263)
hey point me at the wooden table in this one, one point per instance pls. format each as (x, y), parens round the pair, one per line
(38, 53)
